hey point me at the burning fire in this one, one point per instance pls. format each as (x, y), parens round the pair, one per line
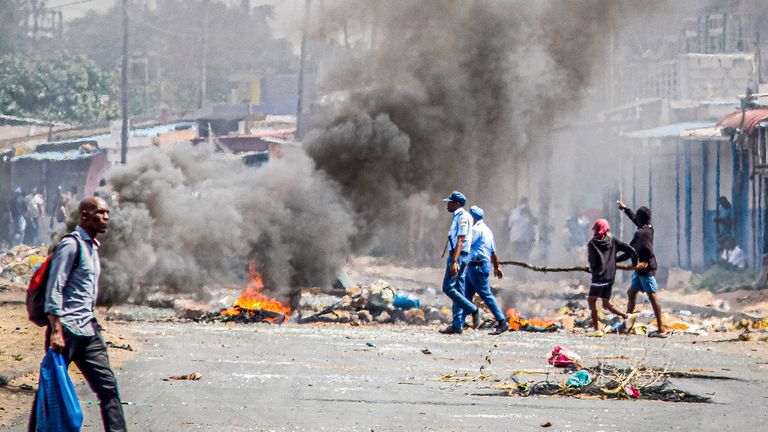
(515, 322)
(254, 303)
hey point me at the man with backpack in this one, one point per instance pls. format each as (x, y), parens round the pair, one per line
(70, 296)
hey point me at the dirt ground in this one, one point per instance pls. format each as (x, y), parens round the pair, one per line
(21, 351)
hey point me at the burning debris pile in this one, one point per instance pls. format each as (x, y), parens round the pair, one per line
(190, 219)
(253, 305)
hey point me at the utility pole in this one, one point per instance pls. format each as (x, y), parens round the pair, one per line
(124, 89)
(204, 71)
(302, 63)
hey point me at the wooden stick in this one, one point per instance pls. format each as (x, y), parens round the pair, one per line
(546, 269)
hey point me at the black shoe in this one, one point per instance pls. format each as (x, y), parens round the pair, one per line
(501, 327)
(476, 319)
(450, 330)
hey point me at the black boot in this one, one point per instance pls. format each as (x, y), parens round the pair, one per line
(501, 327)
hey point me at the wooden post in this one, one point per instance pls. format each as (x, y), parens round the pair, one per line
(124, 89)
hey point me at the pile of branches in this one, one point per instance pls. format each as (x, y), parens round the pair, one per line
(611, 382)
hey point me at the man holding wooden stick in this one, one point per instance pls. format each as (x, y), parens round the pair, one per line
(604, 251)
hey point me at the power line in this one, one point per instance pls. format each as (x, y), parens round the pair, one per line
(70, 4)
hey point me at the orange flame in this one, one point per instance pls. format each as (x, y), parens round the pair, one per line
(515, 321)
(252, 299)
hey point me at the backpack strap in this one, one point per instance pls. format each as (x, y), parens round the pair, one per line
(78, 250)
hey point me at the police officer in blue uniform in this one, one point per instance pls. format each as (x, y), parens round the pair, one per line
(482, 255)
(459, 243)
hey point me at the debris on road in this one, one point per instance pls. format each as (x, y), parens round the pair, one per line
(194, 376)
(126, 347)
(561, 357)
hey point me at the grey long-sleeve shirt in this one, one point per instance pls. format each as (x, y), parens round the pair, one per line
(72, 295)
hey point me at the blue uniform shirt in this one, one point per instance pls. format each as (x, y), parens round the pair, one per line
(460, 226)
(483, 245)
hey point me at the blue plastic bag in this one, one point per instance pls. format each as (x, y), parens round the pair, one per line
(579, 379)
(406, 301)
(58, 409)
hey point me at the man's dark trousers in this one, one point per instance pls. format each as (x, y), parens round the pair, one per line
(89, 353)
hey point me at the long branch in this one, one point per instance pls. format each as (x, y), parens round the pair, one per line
(547, 269)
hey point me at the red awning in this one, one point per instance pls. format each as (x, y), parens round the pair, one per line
(752, 119)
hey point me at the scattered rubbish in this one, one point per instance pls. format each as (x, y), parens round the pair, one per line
(547, 424)
(426, 351)
(26, 387)
(122, 402)
(4, 380)
(611, 382)
(126, 347)
(684, 312)
(194, 376)
(381, 294)
(370, 344)
(631, 391)
(19, 263)
(405, 301)
(561, 357)
(579, 378)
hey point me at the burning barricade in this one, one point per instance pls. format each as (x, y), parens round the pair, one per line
(253, 306)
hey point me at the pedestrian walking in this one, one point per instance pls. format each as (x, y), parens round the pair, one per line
(482, 256)
(70, 298)
(458, 245)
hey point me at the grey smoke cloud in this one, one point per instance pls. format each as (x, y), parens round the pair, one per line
(193, 217)
(455, 95)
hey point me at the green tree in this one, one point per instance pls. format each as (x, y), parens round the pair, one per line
(62, 87)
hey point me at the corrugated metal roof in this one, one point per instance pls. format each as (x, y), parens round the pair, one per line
(57, 156)
(668, 131)
(752, 119)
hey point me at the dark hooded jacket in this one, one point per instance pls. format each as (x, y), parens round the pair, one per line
(642, 242)
(604, 253)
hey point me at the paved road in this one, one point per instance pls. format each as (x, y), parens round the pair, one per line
(326, 378)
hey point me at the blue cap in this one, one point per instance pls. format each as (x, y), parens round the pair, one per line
(476, 212)
(456, 196)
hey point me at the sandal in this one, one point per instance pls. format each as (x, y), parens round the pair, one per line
(658, 334)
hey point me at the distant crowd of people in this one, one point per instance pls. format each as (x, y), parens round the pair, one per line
(27, 218)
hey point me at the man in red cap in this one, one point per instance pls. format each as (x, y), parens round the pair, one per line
(604, 251)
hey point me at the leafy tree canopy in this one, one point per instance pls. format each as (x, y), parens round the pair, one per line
(61, 87)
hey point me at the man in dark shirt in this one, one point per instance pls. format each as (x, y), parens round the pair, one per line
(604, 251)
(644, 280)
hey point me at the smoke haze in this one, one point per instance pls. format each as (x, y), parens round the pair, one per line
(191, 217)
(455, 95)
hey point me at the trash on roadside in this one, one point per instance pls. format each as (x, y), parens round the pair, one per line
(194, 376)
(579, 378)
(370, 344)
(426, 351)
(381, 294)
(547, 424)
(405, 301)
(126, 347)
(631, 391)
(561, 357)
